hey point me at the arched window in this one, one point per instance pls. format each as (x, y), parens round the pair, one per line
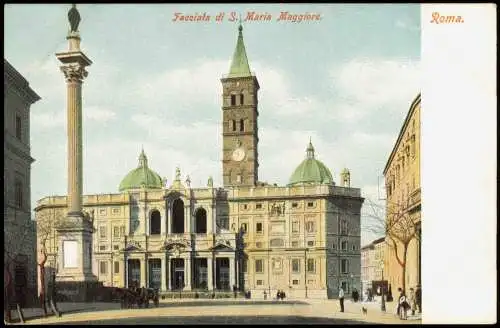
(155, 223)
(233, 100)
(242, 98)
(201, 221)
(242, 125)
(178, 216)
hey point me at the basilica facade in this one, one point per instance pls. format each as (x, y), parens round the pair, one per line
(302, 238)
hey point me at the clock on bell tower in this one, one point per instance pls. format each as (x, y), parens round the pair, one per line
(239, 121)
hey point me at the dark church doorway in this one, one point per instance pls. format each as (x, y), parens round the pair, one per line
(222, 273)
(134, 273)
(178, 216)
(178, 281)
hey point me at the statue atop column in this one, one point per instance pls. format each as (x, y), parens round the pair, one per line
(74, 18)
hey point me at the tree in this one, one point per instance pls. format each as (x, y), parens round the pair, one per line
(398, 226)
(19, 234)
(46, 226)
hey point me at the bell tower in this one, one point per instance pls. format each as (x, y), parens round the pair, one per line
(239, 121)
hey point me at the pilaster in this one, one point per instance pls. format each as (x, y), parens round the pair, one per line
(232, 279)
(164, 273)
(187, 272)
(210, 273)
(169, 273)
(143, 272)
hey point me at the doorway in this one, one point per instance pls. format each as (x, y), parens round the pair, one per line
(177, 276)
(222, 273)
(134, 273)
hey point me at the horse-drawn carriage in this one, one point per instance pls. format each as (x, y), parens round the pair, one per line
(135, 295)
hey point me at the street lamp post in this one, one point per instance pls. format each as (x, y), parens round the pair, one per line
(383, 288)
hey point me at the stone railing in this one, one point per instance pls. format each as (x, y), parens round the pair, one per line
(268, 244)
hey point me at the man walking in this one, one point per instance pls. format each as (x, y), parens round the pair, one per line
(341, 299)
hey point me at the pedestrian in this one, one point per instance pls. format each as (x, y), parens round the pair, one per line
(235, 290)
(355, 295)
(412, 301)
(265, 295)
(402, 304)
(418, 298)
(341, 299)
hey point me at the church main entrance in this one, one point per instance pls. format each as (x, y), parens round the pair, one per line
(222, 273)
(178, 278)
(134, 272)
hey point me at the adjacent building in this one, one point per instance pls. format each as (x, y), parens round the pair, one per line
(19, 228)
(303, 238)
(372, 262)
(403, 211)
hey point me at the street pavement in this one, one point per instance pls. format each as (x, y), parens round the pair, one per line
(223, 311)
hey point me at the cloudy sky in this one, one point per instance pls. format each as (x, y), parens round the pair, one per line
(346, 81)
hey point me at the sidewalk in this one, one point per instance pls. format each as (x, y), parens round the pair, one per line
(77, 312)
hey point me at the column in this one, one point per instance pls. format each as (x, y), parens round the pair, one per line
(74, 91)
(169, 275)
(238, 280)
(214, 279)
(169, 218)
(125, 272)
(231, 272)
(187, 219)
(164, 273)
(123, 282)
(187, 273)
(111, 271)
(210, 274)
(146, 221)
(214, 219)
(143, 273)
(163, 223)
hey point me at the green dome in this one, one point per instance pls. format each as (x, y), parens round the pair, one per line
(311, 171)
(141, 177)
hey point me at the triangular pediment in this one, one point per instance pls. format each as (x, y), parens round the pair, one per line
(222, 247)
(132, 247)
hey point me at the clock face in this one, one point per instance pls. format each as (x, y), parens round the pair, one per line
(238, 154)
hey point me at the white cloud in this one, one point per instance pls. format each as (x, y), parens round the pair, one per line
(98, 114)
(368, 85)
(174, 90)
(47, 120)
